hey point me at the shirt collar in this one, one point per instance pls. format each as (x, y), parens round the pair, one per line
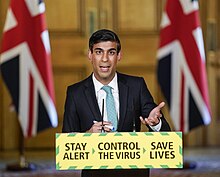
(98, 85)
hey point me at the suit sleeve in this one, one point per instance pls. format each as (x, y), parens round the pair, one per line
(148, 104)
(71, 118)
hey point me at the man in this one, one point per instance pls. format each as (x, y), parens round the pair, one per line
(133, 102)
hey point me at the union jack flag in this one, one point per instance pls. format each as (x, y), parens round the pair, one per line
(26, 65)
(181, 65)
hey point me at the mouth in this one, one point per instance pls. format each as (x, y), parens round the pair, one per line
(104, 68)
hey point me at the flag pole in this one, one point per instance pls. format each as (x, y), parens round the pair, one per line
(22, 165)
(28, 14)
(187, 164)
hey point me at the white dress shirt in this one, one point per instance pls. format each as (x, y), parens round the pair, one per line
(101, 94)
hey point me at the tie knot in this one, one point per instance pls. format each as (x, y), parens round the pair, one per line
(107, 89)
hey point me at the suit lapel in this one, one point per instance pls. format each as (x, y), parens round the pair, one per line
(91, 99)
(123, 100)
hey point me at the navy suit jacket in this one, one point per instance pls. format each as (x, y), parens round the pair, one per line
(135, 100)
(81, 109)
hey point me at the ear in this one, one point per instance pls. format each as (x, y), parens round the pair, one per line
(89, 54)
(119, 56)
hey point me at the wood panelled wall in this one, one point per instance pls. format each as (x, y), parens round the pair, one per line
(70, 23)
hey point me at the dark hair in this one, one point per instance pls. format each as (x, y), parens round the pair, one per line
(104, 35)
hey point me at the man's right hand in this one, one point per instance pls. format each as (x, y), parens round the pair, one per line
(97, 127)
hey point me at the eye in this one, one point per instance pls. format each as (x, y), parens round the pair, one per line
(98, 52)
(112, 52)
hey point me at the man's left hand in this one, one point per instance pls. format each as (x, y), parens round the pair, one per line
(154, 116)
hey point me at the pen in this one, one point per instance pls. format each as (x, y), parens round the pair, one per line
(108, 126)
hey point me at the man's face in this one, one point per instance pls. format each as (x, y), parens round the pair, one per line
(104, 60)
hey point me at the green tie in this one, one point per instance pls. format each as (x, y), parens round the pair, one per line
(110, 105)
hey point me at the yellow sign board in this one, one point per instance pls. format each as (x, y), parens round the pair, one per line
(118, 150)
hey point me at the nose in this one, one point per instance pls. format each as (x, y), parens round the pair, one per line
(105, 57)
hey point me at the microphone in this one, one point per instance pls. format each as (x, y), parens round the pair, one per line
(134, 124)
(102, 117)
(103, 130)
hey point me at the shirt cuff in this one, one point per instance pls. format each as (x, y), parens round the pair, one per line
(157, 127)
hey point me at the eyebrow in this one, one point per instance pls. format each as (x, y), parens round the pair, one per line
(103, 49)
